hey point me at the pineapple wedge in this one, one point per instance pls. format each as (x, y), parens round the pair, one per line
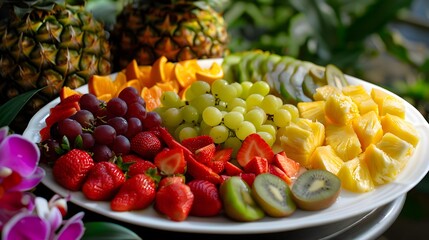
(300, 139)
(361, 98)
(340, 109)
(368, 129)
(322, 93)
(388, 104)
(324, 157)
(314, 111)
(382, 167)
(401, 128)
(344, 141)
(355, 176)
(396, 148)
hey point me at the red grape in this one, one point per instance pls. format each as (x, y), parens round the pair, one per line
(101, 153)
(117, 107)
(134, 126)
(88, 141)
(84, 117)
(121, 145)
(129, 95)
(136, 110)
(104, 134)
(120, 124)
(152, 120)
(69, 128)
(89, 102)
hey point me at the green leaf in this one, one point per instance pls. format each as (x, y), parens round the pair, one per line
(107, 231)
(11, 108)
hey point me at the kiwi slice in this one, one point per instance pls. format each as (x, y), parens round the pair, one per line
(273, 195)
(335, 77)
(238, 202)
(316, 189)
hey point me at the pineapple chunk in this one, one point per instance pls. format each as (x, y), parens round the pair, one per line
(382, 167)
(300, 140)
(361, 98)
(344, 141)
(355, 176)
(324, 157)
(314, 111)
(322, 93)
(396, 148)
(401, 128)
(387, 103)
(368, 129)
(340, 109)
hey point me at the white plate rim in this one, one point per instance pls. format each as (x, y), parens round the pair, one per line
(348, 204)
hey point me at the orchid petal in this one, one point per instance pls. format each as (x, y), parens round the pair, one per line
(55, 219)
(19, 154)
(4, 131)
(30, 181)
(26, 226)
(72, 229)
(14, 201)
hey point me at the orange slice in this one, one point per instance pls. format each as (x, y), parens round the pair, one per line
(132, 70)
(145, 79)
(169, 71)
(157, 73)
(121, 79)
(67, 92)
(169, 86)
(99, 85)
(135, 83)
(184, 75)
(105, 97)
(152, 97)
(210, 75)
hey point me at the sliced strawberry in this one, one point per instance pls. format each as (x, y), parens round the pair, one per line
(170, 180)
(219, 160)
(170, 161)
(205, 194)
(198, 142)
(57, 116)
(175, 201)
(205, 154)
(71, 98)
(200, 171)
(45, 133)
(131, 158)
(257, 165)
(287, 165)
(279, 173)
(254, 145)
(249, 178)
(232, 170)
(168, 139)
(136, 193)
(63, 106)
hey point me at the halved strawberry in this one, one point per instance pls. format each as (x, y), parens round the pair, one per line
(287, 165)
(175, 201)
(198, 142)
(220, 158)
(170, 180)
(163, 134)
(200, 171)
(205, 194)
(254, 145)
(170, 161)
(205, 154)
(279, 173)
(232, 170)
(249, 178)
(56, 116)
(257, 165)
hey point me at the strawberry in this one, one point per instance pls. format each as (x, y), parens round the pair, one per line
(279, 173)
(163, 134)
(205, 154)
(142, 167)
(205, 194)
(170, 180)
(197, 142)
(200, 171)
(146, 144)
(249, 178)
(221, 157)
(170, 161)
(71, 169)
(254, 145)
(103, 181)
(287, 165)
(131, 158)
(174, 201)
(138, 192)
(232, 170)
(257, 165)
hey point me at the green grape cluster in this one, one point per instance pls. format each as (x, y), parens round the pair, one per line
(228, 112)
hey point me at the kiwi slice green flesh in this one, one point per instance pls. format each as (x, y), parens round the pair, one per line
(238, 202)
(316, 189)
(273, 195)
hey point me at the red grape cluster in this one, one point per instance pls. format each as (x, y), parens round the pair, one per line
(104, 129)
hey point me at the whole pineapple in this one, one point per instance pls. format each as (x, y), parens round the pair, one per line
(179, 30)
(50, 44)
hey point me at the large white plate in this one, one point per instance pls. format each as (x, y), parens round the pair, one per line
(348, 204)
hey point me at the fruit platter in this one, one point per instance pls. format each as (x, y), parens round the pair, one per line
(299, 85)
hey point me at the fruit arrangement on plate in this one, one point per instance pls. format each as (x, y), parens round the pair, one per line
(288, 134)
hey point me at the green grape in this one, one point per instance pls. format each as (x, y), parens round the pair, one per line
(239, 109)
(282, 117)
(256, 116)
(160, 110)
(190, 95)
(187, 132)
(212, 116)
(172, 117)
(234, 143)
(221, 105)
(293, 110)
(235, 103)
(267, 128)
(204, 128)
(203, 101)
(270, 104)
(200, 87)
(219, 133)
(171, 99)
(227, 93)
(179, 128)
(260, 87)
(237, 87)
(267, 137)
(254, 100)
(233, 119)
(245, 129)
(218, 86)
(245, 86)
(190, 114)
